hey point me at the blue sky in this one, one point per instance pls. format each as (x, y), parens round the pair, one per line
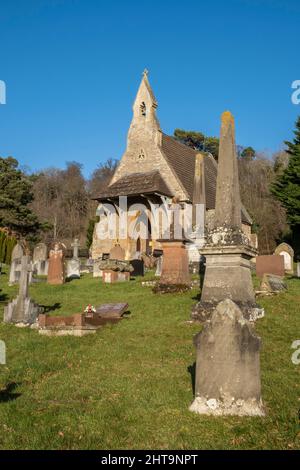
(72, 69)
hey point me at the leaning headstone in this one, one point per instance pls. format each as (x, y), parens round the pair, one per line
(269, 264)
(73, 265)
(272, 284)
(56, 272)
(287, 252)
(40, 260)
(228, 365)
(22, 309)
(117, 252)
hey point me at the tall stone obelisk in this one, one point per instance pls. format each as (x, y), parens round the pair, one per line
(228, 350)
(228, 200)
(228, 250)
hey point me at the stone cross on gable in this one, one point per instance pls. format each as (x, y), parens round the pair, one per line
(75, 245)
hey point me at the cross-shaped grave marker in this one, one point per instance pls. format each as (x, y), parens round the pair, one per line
(75, 245)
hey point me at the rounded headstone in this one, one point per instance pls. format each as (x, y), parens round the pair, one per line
(117, 252)
(17, 252)
(285, 250)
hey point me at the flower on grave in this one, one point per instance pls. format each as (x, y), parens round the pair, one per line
(90, 309)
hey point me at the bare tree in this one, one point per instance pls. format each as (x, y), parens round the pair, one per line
(268, 215)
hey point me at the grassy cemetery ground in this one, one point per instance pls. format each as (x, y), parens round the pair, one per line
(130, 384)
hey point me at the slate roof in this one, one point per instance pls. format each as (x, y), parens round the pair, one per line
(181, 159)
(136, 184)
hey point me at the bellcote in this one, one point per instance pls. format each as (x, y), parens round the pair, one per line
(144, 110)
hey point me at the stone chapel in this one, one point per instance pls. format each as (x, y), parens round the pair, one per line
(156, 167)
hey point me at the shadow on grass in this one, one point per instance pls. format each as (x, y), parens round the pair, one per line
(74, 278)
(192, 371)
(7, 394)
(51, 308)
(197, 297)
(126, 314)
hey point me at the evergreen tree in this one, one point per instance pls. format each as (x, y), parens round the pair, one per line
(7, 243)
(198, 141)
(286, 187)
(248, 153)
(15, 197)
(90, 231)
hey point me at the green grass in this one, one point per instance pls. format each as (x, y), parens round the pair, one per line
(129, 385)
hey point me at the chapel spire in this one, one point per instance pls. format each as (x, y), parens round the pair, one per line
(144, 107)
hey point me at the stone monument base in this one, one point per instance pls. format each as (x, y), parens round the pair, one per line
(110, 277)
(27, 313)
(227, 275)
(170, 288)
(229, 406)
(202, 311)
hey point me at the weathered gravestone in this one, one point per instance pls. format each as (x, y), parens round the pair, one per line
(97, 270)
(40, 259)
(298, 269)
(175, 274)
(111, 310)
(56, 268)
(82, 324)
(228, 361)
(2, 352)
(159, 266)
(269, 264)
(117, 253)
(228, 365)
(87, 266)
(17, 252)
(228, 250)
(138, 267)
(15, 266)
(272, 284)
(287, 252)
(22, 309)
(106, 313)
(73, 265)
